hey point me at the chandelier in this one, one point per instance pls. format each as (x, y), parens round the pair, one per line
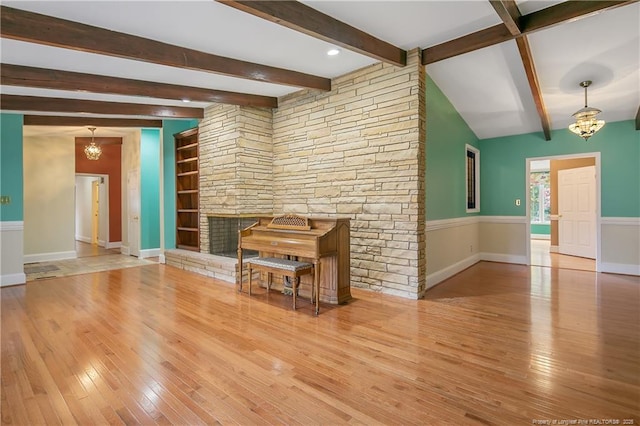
(586, 123)
(92, 151)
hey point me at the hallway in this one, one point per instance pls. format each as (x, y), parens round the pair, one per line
(91, 258)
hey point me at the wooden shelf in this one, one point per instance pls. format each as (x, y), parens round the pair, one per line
(187, 160)
(189, 146)
(187, 190)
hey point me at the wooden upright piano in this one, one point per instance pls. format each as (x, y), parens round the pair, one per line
(325, 242)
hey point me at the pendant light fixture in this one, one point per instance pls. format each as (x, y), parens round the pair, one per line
(586, 122)
(92, 151)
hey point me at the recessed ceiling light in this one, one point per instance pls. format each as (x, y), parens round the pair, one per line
(333, 52)
(186, 100)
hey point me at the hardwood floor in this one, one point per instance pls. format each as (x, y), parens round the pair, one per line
(541, 256)
(496, 344)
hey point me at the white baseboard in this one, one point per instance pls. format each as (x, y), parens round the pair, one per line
(48, 257)
(619, 268)
(83, 239)
(113, 244)
(125, 250)
(554, 249)
(504, 258)
(441, 275)
(162, 259)
(12, 279)
(540, 236)
(150, 253)
(102, 243)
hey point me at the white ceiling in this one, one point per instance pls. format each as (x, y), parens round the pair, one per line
(488, 87)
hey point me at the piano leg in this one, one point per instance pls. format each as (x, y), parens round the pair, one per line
(294, 289)
(316, 284)
(239, 272)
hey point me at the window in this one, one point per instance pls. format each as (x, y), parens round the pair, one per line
(472, 173)
(540, 191)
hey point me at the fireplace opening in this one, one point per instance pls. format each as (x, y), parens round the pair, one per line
(223, 235)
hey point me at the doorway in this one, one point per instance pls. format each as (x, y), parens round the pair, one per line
(548, 226)
(92, 209)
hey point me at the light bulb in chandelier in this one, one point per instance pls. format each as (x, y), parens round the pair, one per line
(92, 151)
(587, 124)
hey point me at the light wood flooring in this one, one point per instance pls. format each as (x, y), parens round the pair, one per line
(541, 256)
(496, 344)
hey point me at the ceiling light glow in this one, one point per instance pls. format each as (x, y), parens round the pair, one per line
(333, 52)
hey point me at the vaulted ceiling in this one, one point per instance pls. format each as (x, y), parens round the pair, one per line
(508, 67)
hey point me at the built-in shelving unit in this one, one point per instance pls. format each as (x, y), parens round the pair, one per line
(187, 190)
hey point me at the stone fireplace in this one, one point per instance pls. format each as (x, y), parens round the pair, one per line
(356, 151)
(223, 234)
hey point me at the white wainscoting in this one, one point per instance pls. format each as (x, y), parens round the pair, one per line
(452, 246)
(620, 245)
(459, 243)
(11, 253)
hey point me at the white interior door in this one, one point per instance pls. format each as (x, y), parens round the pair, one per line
(133, 198)
(577, 212)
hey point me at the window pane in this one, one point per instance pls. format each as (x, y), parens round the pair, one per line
(540, 202)
(471, 180)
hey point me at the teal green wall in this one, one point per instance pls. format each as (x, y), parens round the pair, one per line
(150, 189)
(447, 134)
(503, 163)
(11, 168)
(541, 229)
(169, 128)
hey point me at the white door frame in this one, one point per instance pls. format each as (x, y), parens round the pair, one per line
(596, 156)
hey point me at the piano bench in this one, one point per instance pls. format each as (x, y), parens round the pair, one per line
(286, 267)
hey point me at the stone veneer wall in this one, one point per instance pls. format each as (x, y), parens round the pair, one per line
(359, 151)
(236, 162)
(356, 151)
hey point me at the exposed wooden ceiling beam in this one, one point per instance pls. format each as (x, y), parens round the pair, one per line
(638, 119)
(36, 28)
(36, 103)
(510, 15)
(508, 11)
(465, 44)
(532, 77)
(307, 20)
(63, 120)
(569, 10)
(18, 75)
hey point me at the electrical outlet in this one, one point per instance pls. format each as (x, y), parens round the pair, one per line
(5, 199)
(518, 202)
